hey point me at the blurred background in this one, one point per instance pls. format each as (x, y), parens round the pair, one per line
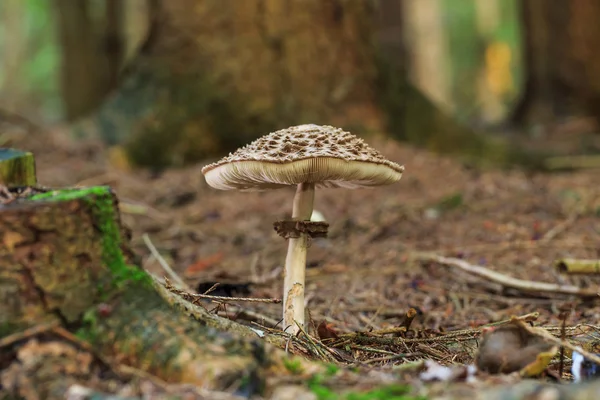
(171, 82)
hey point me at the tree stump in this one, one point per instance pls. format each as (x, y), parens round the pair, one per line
(17, 168)
(65, 261)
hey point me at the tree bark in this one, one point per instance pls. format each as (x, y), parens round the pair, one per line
(17, 168)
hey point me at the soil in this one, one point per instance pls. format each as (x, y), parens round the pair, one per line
(363, 276)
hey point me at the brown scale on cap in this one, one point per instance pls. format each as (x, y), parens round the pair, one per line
(324, 155)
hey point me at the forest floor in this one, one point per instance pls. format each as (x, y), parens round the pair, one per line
(364, 276)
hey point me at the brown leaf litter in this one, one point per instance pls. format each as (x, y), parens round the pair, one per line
(364, 277)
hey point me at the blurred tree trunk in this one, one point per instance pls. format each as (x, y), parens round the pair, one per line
(543, 92)
(15, 51)
(214, 74)
(114, 41)
(428, 48)
(581, 69)
(562, 58)
(91, 53)
(413, 117)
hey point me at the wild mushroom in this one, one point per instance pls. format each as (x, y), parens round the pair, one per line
(308, 156)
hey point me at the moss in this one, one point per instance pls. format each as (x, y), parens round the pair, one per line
(387, 392)
(293, 365)
(8, 328)
(88, 331)
(318, 384)
(100, 199)
(390, 392)
(331, 369)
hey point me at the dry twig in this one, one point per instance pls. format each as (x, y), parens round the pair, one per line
(163, 263)
(27, 333)
(195, 297)
(507, 281)
(558, 229)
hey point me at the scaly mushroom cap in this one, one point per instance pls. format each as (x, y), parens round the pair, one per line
(323, 155)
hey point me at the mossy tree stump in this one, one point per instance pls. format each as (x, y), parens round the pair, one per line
(64, 259)
(17, 168)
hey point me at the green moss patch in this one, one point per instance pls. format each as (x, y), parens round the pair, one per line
(101, 201)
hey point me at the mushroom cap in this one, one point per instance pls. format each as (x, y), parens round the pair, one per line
(323, 155)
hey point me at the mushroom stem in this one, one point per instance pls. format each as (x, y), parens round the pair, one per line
(295, 261)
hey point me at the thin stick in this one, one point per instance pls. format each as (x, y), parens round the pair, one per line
(563, 335)
(391, 358)
(558, 229)
(508, 281)
(220, 299)
(163, 263)
(238, 310)
(225, 299)
(520, 244)
(252, 316)
(27, 333)
(212, 288)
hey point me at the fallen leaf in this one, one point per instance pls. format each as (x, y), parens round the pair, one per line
(203, 264)
(326, 331)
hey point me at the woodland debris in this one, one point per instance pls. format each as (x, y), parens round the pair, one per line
(590, 161)
(577, 266)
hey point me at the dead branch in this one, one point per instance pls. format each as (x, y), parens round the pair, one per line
(507, 281)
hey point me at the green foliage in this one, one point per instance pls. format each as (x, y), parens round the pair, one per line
(37, 77)
(391, 392)
(331, 369)
(317, 384)
(87, 331)
(466, 47)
